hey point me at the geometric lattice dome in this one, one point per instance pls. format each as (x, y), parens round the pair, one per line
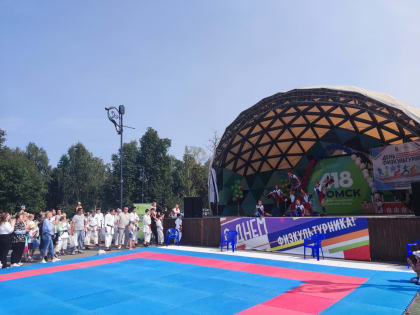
(277, 132)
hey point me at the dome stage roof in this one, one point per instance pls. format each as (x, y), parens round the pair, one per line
(281, 130)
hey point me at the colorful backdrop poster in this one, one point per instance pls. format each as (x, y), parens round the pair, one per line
(350, 190)
(396, 166)
(345, 237)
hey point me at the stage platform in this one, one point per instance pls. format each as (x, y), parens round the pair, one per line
(388, 235)
(184, 280)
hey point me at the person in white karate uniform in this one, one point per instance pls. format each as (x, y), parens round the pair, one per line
(134, 217)
(159, 227)
(116, 222)
(92, 229)
(100, 219)
(109, 229)
(86, 240)
(178, 225)
(147, 221)
(63, 236)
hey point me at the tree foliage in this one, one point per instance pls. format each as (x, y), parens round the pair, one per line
(154, 159)
(79, 177)
(20, 182)
(27, 178)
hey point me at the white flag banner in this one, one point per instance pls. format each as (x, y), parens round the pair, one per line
(213, 191)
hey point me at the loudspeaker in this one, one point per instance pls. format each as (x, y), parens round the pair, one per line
(415, 198)
(193, 207)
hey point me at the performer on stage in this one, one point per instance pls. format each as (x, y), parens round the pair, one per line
(296, 209)
(277, 195)
(378, 202)
(260, 210)
(321, 191)
(292, 198)
(300, 209)
(294, 181)
(306, 201)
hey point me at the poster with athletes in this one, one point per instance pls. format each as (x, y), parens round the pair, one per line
(349, 191)
(396, 166)
(345, 237)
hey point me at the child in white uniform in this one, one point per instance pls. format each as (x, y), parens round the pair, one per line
(147, 221)
(63, 236)
(178, 225)
(159, 227)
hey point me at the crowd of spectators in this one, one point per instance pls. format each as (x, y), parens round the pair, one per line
(51, 234)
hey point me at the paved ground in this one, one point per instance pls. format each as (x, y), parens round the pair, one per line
(415, 306)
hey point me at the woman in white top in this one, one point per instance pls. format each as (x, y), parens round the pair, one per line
(6, 230)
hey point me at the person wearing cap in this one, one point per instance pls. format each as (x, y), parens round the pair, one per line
(79, 206)
(414, 262)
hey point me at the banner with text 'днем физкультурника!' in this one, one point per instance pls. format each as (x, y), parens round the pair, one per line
(345, 237)
(396, 166)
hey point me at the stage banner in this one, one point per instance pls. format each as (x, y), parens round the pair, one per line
(345, 237)
(350, 190)
(396, 166)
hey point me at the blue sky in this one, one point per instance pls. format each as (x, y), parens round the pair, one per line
(187, 68)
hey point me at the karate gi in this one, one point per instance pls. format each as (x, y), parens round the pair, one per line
(63, 237)
(178, 226)
(134, 217)
(101, 231)
(147, 221)
(109, 229)
(92, 231)
(159, 227)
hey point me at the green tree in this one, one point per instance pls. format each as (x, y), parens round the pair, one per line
(157, 164)
(40, 159)
(130, 176)
(2, 138)
(20, 182)
(79, 177)
(195, 172)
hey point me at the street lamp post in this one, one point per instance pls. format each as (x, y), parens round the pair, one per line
(143, 179)
(115, 115)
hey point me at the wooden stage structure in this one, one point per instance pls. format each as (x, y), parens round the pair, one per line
(388, 235)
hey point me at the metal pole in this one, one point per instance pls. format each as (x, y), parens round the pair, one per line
(142, 185)
(121, 161)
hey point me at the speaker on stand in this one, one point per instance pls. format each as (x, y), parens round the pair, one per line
(415, 198)
(193, 207)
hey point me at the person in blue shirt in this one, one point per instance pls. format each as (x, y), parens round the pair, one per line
(47, 235)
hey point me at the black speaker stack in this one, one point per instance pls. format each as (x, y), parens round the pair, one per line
(193, 207)
(415, 198)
